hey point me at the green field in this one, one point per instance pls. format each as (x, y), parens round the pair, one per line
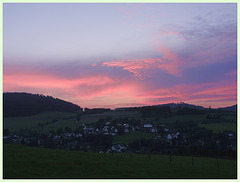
(132, 136)
(21, 162)
(64, 119)
(226, 122)
(219, 127)
(224, 117)
(114, 114)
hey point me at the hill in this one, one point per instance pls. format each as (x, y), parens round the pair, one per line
(182, 105)
(171, 106)
(230, 108)
(21, 162)
(27, 104)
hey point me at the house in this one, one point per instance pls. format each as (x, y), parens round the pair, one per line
(105, 129)
(166, 129)
(119, 148)
(153, 130)
(109, 151)
(148, 126)
(79, 135)
(116, 148)
(126, 125)
(169, 137)
(176, 135)
(172, 136)
(56, 137)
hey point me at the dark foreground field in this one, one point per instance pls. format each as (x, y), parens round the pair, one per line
(21, 162)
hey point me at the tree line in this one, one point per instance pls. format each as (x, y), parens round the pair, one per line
(26, 104)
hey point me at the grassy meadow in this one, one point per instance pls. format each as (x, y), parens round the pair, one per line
(21, 162)
(219, 127)
(92, 118)
(226, 122)
(63, 120)
(224, 117)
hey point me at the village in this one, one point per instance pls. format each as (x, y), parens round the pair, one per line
(185, 138)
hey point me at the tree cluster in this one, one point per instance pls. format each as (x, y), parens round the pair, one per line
(25, 104)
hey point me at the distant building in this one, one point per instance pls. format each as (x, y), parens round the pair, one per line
(148, 126)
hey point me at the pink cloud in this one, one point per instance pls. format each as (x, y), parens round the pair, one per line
(173, 62)
(177, 93)
(90, 91)
(136, 66)
(214, 94)
(219, 90)
(40, 80)
(102, 90)
(52, 84)
(169, 62)
(218, 94)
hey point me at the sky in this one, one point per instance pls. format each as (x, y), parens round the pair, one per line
(122, 55)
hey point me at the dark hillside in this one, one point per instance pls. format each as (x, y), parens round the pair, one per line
(26, 104)
(230, 108)
(182, 105)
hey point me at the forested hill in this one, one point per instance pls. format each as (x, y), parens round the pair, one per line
(26, 104)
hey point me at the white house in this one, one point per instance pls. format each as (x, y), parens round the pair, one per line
(153, 130)
(118, 147)
(126, 125)
(148, 126)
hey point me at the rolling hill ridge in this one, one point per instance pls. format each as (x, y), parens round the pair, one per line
(26, 104)
(17, 104)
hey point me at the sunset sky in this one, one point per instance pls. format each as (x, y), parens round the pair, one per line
(117, 55)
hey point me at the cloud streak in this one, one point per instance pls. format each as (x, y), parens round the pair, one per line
(169, 62)
(102, 90)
